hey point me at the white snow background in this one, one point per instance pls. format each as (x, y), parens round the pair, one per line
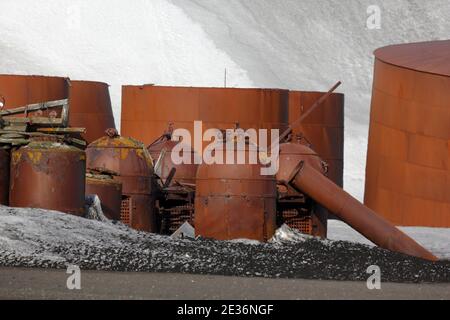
(293, 44)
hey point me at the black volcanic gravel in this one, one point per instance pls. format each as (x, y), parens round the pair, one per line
(35, 238)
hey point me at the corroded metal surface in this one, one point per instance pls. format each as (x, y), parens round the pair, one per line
(108, 190)
(147, 110)
(161, 152)
(294, 208)
(17, 90)
(90, 103)
(48, 175)
(235, 201)
(90, 108)
(131, 161)
(374, 227)
(5, 157)
(408, 160)
(323, 128)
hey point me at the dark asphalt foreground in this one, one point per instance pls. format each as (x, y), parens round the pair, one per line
(20, 283)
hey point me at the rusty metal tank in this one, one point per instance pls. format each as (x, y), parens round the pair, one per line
(131, 160)
(294, 208)
(148, 109)
(109, 191)
(5, 157)
(408, 160)
(90, 103)
(19, 90)
(323, 128)
(90, 108)
(50, 175)
(234, 201)
(161, 152)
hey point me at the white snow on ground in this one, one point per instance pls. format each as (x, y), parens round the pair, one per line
(306, 44)
(437, 240)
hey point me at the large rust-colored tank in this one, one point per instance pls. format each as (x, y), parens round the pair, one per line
(408, 160)
(90, 104)
(147, 110)
(134, 165)
(18, 90)
(5, 157)
(234, 201)
(323, 128)
(50, 175)
(90, 108)
(109, 191)
(296, 209)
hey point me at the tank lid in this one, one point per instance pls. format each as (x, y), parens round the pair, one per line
(114, 140)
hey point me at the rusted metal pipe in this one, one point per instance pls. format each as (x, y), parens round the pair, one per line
(362, 219)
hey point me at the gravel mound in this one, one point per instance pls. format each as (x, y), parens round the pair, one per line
(46, 239)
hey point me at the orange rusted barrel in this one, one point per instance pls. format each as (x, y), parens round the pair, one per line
(147, 110)
(408, 160)
(130, 159)
(5, 157)
(90, 108)
(50, 175)
(234, 201)
(323, 128)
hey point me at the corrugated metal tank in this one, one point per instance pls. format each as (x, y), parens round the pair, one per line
(408, 160)
(147, 110)
(323, 128)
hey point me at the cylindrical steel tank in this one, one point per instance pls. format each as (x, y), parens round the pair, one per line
(235, 201)
(147, 110)
(161, 152)
(109, 192)
(408, 160)
(323, 128)
(50, 175)
(18, 90)
(90, 108)
(90, 103)
(302, 214)
(131, 160)
(5, 157)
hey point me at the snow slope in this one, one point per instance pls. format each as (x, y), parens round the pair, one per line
(306, 44)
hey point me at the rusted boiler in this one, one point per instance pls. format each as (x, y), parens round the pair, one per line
(147, 110)
(131, 160)
(175, 201)
(323, 129)
(235, 201)
(408, 160)
(109, 191)
(295, 208)
(48, 174)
